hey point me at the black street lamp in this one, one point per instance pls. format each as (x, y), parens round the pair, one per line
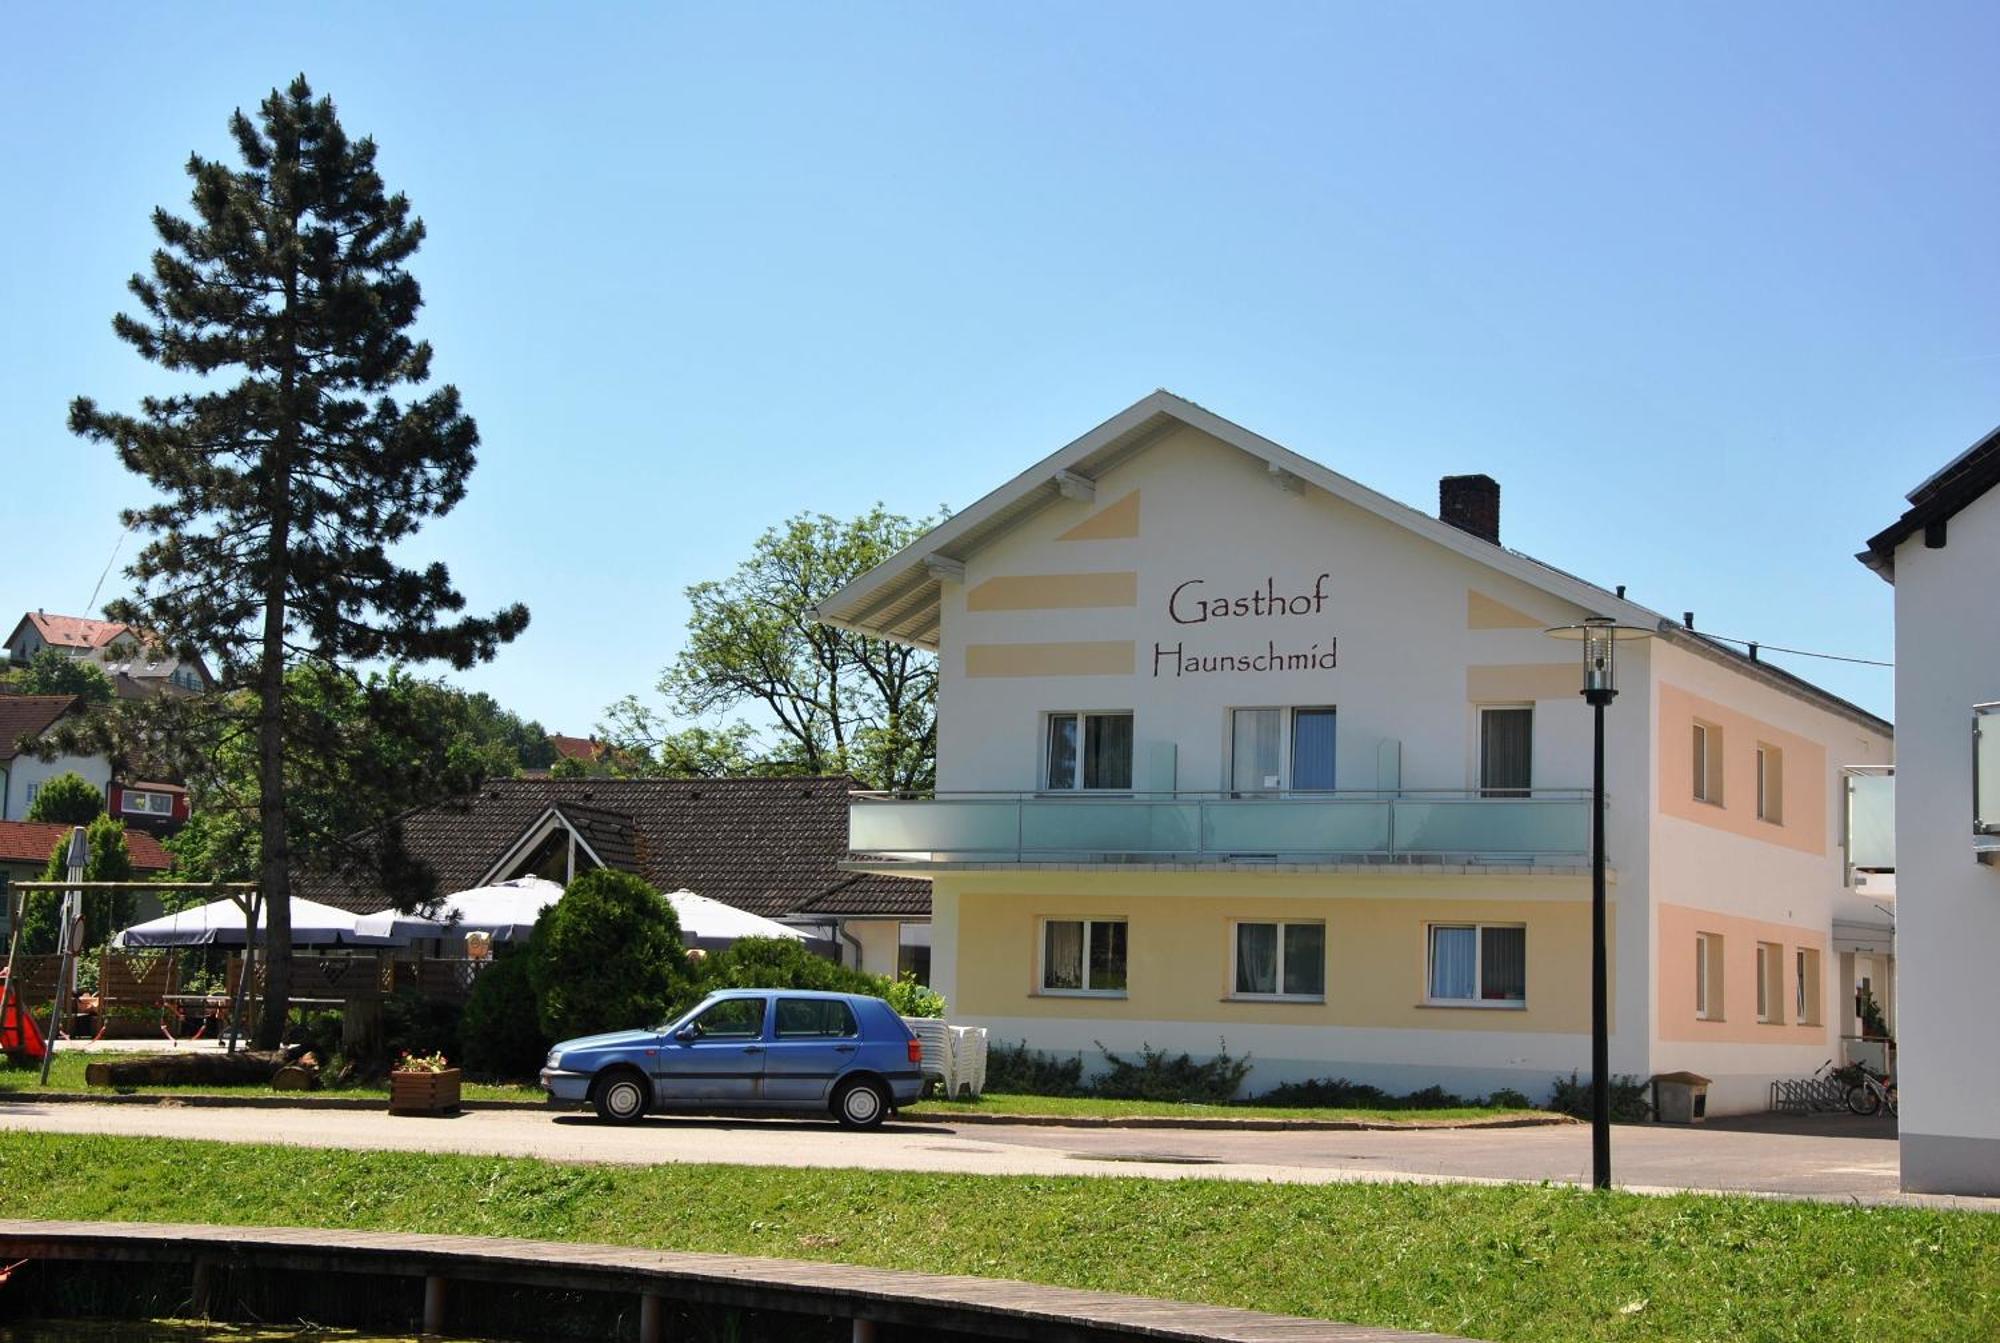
(1599, 636)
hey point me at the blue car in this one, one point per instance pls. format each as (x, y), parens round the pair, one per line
(749, 1049)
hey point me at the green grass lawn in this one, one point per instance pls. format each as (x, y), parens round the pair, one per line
(1093, 1106)
(66, 1074)
(1524, 1264)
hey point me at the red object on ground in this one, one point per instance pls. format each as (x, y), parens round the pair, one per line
(20, 1037)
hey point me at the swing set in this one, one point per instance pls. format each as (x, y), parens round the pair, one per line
(21, 1038)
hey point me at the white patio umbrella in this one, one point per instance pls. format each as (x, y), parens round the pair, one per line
(505, 911)
(710, 923)
(220, 924)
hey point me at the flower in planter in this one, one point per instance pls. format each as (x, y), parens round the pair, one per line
(422, 1063)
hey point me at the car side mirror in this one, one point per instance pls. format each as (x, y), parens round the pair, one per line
(687, 1034)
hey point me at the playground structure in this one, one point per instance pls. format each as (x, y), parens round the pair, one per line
(25, 980)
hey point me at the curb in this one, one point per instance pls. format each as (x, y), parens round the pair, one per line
(1210, 1122)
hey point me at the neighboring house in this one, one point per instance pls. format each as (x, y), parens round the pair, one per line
(1233, 748)
(25, 847)
(769, 846)
(22, 774)
(135, 670)
(586, 749)
(158, 808)
(1942, 556)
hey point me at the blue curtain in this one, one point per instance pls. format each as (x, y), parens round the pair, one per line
(1312, 748)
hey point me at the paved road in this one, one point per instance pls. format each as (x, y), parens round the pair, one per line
(1830, 1158)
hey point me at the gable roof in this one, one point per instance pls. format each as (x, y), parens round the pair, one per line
(33, 842)
(576, 748)
(899, 598)
(29, 716)
(768, 846)
(1945, 493)
(73, 631)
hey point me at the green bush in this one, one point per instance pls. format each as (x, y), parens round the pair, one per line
(104, 912)
(777, 963)
(1629, 1103)
(911, 999)
(1506, 1098)
(414, 1024)
(501, 1030)
(607, 956)
(1016, 1070)
(1158, 1076)
(67, 799)
(1337, 1093)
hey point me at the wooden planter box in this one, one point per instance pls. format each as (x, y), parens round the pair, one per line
(423, 1093)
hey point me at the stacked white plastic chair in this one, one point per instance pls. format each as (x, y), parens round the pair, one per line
(968, 1053)
(936, 1038)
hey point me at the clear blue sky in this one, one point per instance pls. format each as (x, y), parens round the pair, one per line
(1706, 287)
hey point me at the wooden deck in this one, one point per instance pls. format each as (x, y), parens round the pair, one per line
(987, 1307)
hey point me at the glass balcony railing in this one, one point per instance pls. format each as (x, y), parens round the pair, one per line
(1183, 827)
(1871, 818)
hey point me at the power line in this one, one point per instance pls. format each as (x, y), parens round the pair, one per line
(1757, 645)
(91, 605)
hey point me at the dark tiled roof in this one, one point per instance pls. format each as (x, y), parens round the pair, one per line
(768, 846)
(869, 894)
(28, 716)
(34, 841)
(611, 835)
(1965, 478)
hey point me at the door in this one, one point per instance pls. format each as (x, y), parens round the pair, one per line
(813, 1041)
(717, 1058)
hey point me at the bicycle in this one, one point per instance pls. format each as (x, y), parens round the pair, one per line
(1873, 1091)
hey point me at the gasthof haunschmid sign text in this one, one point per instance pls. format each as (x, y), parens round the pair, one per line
(1196, 601)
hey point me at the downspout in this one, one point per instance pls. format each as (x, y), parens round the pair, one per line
(840, 931)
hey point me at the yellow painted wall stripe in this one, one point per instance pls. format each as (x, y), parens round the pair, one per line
(1116, 521)
(1484, 613)
(1049, 592)
(1526, 681)
(1082, 658)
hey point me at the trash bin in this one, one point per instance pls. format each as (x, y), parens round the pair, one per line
(1680, 1098)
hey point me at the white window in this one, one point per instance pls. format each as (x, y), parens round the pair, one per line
(1083, 956)
(1701, 1003)
(1770, 983)
(139, 803)
(1506, 750)
(1483, 964)
(1088, 750)
(33, 789)
(1708, 763)
(1770, 784)
(1264, 758)
(1280, 960)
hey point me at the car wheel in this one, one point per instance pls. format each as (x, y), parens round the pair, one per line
(619, 1097)
(861, 1105)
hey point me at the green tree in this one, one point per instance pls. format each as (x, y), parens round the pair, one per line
(103, 913)
(639, 744)
(839, 702)
(51, 672)
(289, 476)
(67, 799)
(607, 956)
(501, 1031)
(778, 963)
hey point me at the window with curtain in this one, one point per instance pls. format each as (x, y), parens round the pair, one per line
(1254, 763)
(1506, 748)
(1083, 955)
(1281, 959)
(1088, 750)
(1312, 748)
(1478, 963)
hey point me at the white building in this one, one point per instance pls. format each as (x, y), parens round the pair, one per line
(135, 669)
(1234, 748)
(1943, 555)
(24, 718)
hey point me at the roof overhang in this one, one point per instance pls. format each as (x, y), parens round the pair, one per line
(900, 598)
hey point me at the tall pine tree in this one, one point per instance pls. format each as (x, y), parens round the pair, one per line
(287, 474)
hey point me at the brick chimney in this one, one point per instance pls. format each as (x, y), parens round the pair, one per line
(1471, 504)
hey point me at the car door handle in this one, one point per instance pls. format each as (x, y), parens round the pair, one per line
(753, 1049)
(843, 1049)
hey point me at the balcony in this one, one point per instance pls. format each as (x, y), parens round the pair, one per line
(1871, 819)
(1547, 827)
